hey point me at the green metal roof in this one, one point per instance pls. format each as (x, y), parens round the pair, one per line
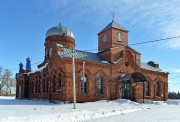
(149, 67)
(81, 55)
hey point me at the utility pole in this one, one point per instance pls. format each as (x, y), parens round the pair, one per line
(74, 82)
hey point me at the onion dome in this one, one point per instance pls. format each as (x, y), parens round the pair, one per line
(28, 64)
(59, 31)
(20, 67)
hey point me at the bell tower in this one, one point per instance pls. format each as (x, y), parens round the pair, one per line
(111, 41)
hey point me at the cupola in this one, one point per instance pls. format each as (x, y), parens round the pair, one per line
(59, 31)
(20, 67)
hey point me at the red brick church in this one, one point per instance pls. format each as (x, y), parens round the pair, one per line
(115, 71)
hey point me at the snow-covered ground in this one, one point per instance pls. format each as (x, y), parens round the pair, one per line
(101, 111)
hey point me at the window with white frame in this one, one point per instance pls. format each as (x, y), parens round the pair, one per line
(47, 85)
(119, 37)
(83, 84)
(44, 84)
(39, 85)
(36, 84)
(100, 84)
(157, 88)
(46, 54)
(147, 88)
(50, 52)
(105, 38)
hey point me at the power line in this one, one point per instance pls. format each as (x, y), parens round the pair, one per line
(138, 43)
(174, 83)
(174, 37)
(145, 42)
(31, 64)
(90, 50)
(174, 77)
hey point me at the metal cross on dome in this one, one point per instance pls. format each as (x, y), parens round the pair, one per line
(113, 15)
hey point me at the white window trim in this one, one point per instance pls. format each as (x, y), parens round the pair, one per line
(105, 38)
(118, 35)
(50, 52)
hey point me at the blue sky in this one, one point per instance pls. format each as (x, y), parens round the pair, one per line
(23, 26)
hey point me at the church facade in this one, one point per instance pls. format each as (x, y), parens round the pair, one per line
(116, 71)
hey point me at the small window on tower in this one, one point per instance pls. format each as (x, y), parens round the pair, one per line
(46, 54)
(50, 52)
(104, 38)
(119, 37)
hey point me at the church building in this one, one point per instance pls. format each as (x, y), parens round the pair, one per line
(115, 71)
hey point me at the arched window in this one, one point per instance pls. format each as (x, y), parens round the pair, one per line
(147, 88)
(31, 87)
(33, 83)
(46, 54)
(59, 83)
(47, 85)
(39, 85)
(20, 92)
(104, 38)
(83, 84)
(36, 85)
(50, 52)
(119, 37)
(157, 89)
(54, 84)
(100, 85)
(44, 85)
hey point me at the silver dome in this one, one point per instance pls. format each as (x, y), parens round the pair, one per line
(59, 31)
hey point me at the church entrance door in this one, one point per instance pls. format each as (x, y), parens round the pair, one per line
(126, 84)
(126, 88)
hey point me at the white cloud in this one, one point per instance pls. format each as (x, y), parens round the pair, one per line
(174, 70)
(177, 70)
(163, 17)
(173, 85)
(173, 82)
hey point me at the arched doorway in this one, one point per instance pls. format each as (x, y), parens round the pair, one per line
(127, 80)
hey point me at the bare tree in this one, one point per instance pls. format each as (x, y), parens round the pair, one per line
(2, 80)
(7, 83)
(7, 75)
(11, 85)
